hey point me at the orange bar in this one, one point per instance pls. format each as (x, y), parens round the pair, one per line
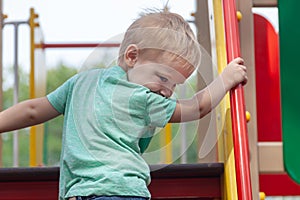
(168, 140)
(32, 138)
(76, 45)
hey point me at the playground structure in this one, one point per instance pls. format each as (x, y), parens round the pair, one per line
(229, 175)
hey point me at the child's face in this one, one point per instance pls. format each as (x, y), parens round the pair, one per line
(162, 75)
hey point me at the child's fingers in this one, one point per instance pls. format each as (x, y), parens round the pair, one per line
(239, 60)
(245, 80)
(243, 67)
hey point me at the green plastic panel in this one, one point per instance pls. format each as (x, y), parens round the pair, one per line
(289, 34)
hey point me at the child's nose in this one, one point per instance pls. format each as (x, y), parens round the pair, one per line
(166, 92)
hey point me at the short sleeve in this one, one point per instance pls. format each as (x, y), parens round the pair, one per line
(58, 98)
(159, 110)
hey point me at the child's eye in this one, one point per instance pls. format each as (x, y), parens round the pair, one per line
(163, 79)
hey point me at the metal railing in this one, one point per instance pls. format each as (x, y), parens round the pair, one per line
(239, 126)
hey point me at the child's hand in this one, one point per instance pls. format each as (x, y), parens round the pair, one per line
(234, 74)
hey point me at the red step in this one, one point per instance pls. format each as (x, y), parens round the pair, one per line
(175, 181)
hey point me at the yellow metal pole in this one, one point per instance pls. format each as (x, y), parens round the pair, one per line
(32, 140)
(230, 188)
(168, 145)
(1, 89)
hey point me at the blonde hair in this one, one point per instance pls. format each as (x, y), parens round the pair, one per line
(163, 31)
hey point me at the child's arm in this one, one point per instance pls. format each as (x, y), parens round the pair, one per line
(205, 100)
(27, 113)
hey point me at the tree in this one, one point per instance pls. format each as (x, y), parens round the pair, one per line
(52, 145)
(53, 128)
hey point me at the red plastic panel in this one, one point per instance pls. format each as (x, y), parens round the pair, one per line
(204, 188)
(267, 80)
(278, 185)
(46, 190)
(176, 181)
(186, 188)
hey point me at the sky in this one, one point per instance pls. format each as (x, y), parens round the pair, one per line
(67, 21)
(89, 21)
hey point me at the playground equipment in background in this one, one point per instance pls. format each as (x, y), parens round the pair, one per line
(37, 81)
(37, 85)
(235, 184)
(289, 45)
(277, 102)
(243, 190)
(15, 25)
(238, 111)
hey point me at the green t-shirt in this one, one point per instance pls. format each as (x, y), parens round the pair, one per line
(108, 124)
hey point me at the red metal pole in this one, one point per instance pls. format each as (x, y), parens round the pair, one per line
(239, 126)
(76, 45)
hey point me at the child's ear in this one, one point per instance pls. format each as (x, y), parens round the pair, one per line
(131, 55)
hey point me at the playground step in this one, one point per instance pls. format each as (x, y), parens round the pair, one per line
(174, 181)
(186, 181)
